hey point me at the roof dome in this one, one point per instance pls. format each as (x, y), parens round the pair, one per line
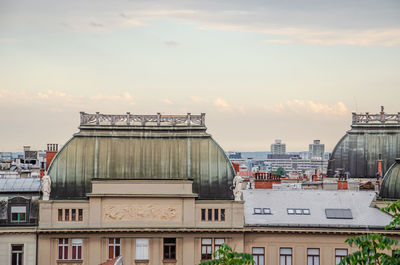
(141, 147)
(390, 188)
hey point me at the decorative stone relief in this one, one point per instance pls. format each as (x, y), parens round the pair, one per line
(140, 212)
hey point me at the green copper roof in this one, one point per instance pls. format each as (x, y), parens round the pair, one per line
(129, 151)
(390, 188)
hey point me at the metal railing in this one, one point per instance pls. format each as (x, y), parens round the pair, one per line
(129, 119)
(379, 118)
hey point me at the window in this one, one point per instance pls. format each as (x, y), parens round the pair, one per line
(142, 248)
(203, 214)
(298, 211)
(209, 215)
(80, 214)
(76, 248)
(60, 215)
(17, 254)
(340, 254)
(114, 247)
(216, 214)
(18, 214)
(258, 256)
(313, 256)
(62, 248)
(218, 243)
(206, 248)
(257, 210)
(66, 216)
(222, 214)
(169, 248)
(338, 214)
(285, 256)
(73, 215)
(266, 210)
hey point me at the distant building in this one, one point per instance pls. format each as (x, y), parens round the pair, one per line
(234, 155)
(316, 150)
(278, 148)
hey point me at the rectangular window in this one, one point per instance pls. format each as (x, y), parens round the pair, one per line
(142, 248)
(66, 216)
(203, 214)
(17, 254)
(218, 243)
(222, 214)
(216, 214)
(80, 214)
(340, 254)
(73, 215)
(18, 214)
(258, 256)
(76, 248)
(114, 247)
(285, 256)
(266, 210)
(290, 211)
(169, 248)
(306, 211)
(206, 248)
(62, 248)
(257, 210)
(313, 256)
(60, 216)
(209, 217)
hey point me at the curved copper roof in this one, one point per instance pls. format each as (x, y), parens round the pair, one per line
(174, 150)
(390, 188)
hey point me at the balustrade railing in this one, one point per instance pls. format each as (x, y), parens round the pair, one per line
(379, 118)
(129, 119)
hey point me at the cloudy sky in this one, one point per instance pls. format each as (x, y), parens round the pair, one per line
(261, 70)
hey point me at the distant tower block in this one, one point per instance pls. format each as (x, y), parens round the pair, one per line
(278, 148)
(372, 138)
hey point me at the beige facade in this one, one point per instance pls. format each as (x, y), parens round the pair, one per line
(25, 237)
(137, 211)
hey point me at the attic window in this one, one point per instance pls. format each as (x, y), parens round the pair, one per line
(257, 211)
(298, 211)
(338, 214)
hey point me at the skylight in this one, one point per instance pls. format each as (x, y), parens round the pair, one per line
(298, 211)
(261, 210)
(338, 214)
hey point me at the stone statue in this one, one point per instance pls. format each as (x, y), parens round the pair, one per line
(238, 187)
(46, 186)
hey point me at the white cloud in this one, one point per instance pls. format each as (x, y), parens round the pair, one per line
(198, 99)
(308, 106)
(223, 105)
(166, 101)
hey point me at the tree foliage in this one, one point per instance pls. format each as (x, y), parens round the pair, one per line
(376, 248)
(226, 256)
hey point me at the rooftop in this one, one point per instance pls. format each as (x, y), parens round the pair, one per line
(129, 119)
(314, 209)
(379, 118)
(20, 185)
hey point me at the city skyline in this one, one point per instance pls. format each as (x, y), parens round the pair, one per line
(261, 71)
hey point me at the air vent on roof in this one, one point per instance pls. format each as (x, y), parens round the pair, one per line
(338, 214)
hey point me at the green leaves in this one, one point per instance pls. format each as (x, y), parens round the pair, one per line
(374, 248)
(226, 256)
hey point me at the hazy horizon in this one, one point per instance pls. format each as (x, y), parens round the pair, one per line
(261, 70)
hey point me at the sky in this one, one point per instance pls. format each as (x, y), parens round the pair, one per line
(260, 70)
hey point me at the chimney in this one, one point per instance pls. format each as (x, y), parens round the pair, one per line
(51, 151)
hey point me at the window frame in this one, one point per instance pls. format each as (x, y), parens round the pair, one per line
(63, 243)
(341, 257)
(170, 247)
(222, 215)
(286, 256)
(66, 214)
(203, 214)
(145, 246)
(314, 256)
(60, 215)
(18, 220)
(18, 253)
(80, 215)
(115, 246)
(78, 249)
(208, 247)
(257, 256)
(216, 214)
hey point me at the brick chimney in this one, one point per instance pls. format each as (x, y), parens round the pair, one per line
(51, 151)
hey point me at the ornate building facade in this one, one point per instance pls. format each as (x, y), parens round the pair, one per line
(157, 189)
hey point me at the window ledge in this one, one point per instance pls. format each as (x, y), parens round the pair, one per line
(169, 261)
(139, 261)
(69, 261)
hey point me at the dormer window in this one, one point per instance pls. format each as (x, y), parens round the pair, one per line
(18, 214)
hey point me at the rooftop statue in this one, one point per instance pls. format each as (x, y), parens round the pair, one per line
(46, 187)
